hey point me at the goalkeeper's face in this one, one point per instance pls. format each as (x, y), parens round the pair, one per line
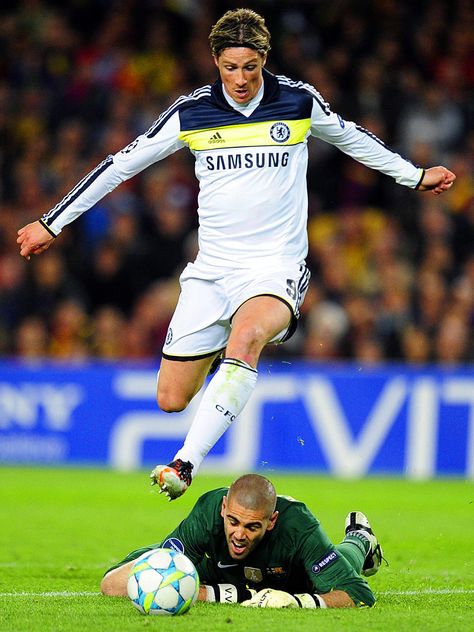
(244, 528)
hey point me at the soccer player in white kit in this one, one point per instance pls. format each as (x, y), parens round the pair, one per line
(248, 133)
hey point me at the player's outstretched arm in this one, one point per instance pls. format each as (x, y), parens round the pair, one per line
(271, 598)
(34, 239)
(114, 583)
(225, 593)
(437, 180)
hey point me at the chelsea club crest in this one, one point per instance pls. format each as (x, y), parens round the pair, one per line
(280, 132)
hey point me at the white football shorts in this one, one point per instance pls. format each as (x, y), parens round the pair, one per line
(202, 321)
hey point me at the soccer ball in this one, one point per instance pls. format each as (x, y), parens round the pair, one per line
(163, 581)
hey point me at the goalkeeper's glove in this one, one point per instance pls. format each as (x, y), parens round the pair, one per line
(270, 598)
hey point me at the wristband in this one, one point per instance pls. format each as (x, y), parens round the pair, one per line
(210, 593)
(423, 171)
(305, 600)
(45, 225)
(227, 593)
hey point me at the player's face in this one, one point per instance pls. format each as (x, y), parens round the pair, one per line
(241, 72)
(244, 528)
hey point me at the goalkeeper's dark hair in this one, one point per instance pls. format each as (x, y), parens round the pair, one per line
(240, 28)
(253, 491)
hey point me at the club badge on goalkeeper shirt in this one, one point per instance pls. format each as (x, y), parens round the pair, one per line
(253, 574)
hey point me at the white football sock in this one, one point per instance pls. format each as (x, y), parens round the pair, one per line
(223, 400)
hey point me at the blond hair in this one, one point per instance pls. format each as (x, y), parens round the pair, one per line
(240, 28)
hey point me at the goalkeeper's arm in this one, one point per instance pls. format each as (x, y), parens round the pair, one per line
(225, 593)
(271, 598)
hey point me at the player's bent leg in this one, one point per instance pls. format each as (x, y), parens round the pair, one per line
(221, 403)
(359, 532)
(179, 381)
(255, 323)
(114, 583)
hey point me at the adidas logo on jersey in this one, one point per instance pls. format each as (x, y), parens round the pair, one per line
(216, 138)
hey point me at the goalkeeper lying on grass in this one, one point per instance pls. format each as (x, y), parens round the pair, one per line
(253, 547)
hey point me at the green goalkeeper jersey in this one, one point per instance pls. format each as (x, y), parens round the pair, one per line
(296, 556)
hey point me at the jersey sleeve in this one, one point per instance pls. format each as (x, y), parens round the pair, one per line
(160, 141)
(360, 144)
(325, 567)
(194, 535)
(191, 536)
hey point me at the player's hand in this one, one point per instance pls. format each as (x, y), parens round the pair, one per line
(33, 239)
(437, 180)
(270, 598)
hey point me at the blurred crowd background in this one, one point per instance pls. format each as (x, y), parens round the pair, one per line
(392, 269)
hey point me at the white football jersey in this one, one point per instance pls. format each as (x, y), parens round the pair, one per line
(251, 169)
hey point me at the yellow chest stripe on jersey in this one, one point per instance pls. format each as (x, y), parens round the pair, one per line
(268, 133)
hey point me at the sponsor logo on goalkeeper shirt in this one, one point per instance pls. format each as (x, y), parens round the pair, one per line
(221, 565)
(324, 562)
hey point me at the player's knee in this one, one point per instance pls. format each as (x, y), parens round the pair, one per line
(172, 402)
(249, 338)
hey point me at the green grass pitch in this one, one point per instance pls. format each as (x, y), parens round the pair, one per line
(61, 528)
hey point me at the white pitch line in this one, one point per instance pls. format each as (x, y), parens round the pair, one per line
(48, 565)
(427, 591)
(65, 593)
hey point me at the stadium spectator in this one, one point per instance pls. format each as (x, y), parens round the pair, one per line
(452, 340)
(235, 535)
(31, 339)
(435, 121)
(70, 331)
(110, 279)
(108, 333)
(47, 285)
